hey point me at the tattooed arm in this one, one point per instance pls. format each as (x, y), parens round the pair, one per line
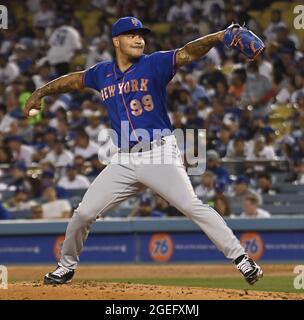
(197, 48)
(70, 82)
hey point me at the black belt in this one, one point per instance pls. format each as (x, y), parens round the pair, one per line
(143, 146)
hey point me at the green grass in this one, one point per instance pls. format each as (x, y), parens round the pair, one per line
(277, 284)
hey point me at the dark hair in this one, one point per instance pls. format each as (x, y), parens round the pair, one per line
(3, 107)
(264, 175)
(221, 197)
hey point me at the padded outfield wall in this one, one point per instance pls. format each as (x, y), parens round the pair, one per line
(150, 241)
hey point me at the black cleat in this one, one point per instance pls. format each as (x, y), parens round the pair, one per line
(249, 269)
(60, 276)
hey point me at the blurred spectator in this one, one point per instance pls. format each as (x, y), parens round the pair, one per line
(221, 205)
(98, 52)
(298, 94)
(20, 151)
(145, 208)
(258, 150)
(299, 148)
(94, 127)
(5, 155)
(237, 149)
(179, 11)
(43, 75)
(48, 180)
(19, 179)
(59, 156)
(193, 121)
(72, 180)
(163, 208)
(9, 71)
(54, 207)
(4, 214)
(265, 184)
(215, 118)
(206, 189)
(286, 45)
(257, 90)
(45, 16)
(237, 83)
(275, 23)
(197, 91)
(241, 190)
(84, 146)
(81, 165)
(251, 209)
(214, 165)
(300, 172)
(5, 119)
(64, 42)
(21, 200)
(224, 137)
(95, 166)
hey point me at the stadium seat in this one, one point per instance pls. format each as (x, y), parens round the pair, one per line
(21, 214)
(290, 188)
(294, 209)
(283, 198)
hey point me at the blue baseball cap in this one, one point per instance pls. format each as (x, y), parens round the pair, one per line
(126, 24)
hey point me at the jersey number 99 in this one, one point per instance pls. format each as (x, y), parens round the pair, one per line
(137, 106)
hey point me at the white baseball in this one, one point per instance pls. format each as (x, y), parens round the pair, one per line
(33, 112)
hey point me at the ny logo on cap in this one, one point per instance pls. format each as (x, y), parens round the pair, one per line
(135, 21)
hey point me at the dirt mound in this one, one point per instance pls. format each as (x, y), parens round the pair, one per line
(87, 290)
(96, 282)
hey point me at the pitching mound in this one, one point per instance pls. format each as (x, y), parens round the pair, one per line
(98, 282)
(124, 291)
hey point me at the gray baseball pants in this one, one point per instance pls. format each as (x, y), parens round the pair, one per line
(124, 178)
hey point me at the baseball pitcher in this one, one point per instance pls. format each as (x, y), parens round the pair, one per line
(133, 89)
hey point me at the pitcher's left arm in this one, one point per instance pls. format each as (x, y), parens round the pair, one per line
(195, 49)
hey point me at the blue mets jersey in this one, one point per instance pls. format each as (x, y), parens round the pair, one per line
(137, 96)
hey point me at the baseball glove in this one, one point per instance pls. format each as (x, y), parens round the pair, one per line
(244, 40)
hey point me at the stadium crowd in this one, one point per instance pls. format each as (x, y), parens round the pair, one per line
(253, 112)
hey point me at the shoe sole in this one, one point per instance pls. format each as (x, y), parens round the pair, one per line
(258, 276)
(50, 281)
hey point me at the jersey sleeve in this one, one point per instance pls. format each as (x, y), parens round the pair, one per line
(164, 65)
(90, 78)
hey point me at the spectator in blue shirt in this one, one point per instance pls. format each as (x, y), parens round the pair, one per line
(4, 214)
(214, 165)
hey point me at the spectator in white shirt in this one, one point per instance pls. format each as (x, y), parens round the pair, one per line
(251, 209)
(206, 189)
(258, 150)
(94, 127)
(20, 152)
(9, 71)
(59, 156)
(179, 11)
(276, 21)
(300, 173)
(45, 16)
(55, 208)
(98, 52)
(43, 75)
(72, 180)
(84, 146)
(5, 119)
(64, 42)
